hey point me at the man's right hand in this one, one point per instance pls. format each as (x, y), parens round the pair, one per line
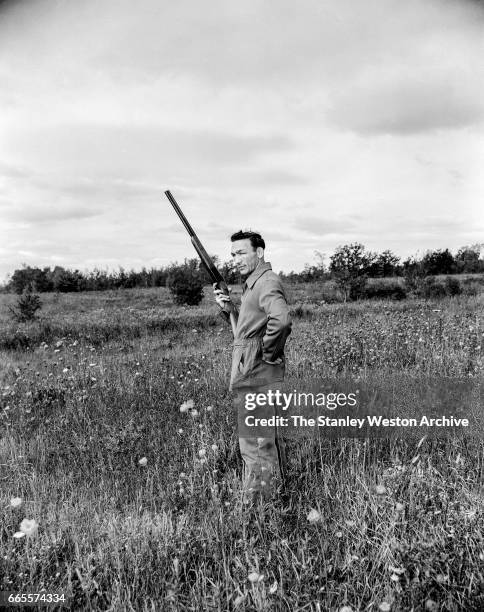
(221, 298)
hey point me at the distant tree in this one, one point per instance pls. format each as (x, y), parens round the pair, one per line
(413, 272)
(230, 273)
(27, 306)
(439, 262)
(384, 264)
(318, 271)
(21, 278)
(348, 266)
(468, 259)
(186, 282)
(66, 281)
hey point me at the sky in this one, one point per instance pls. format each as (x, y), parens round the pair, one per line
(316, 123)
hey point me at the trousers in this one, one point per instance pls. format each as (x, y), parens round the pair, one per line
(262, 447)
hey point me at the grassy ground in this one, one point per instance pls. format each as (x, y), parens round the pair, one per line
(96, 385)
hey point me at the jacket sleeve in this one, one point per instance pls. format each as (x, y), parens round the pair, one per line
(273, 301)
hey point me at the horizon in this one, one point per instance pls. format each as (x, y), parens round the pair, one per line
(221, 262)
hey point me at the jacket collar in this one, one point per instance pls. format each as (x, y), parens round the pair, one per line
(257, 273)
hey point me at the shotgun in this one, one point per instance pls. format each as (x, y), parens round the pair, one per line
(229, 312)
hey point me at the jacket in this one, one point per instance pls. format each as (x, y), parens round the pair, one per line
(263, 326)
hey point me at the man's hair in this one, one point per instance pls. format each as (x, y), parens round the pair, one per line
(256, 239)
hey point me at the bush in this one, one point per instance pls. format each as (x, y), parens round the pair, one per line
(357, 287)
(27, 305)
(432, 289)
(452, 286)
(186, 284)
(385, 291)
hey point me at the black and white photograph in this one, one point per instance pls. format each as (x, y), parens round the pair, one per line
(242, 305)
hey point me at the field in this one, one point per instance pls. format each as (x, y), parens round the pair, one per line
(95, 386)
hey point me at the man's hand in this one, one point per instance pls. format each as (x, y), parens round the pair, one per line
(220, 297)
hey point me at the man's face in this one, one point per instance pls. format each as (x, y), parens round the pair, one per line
(244, 256)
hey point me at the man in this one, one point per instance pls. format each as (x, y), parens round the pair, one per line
(258, 364)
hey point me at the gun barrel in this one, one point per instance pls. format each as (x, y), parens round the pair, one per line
(178, 211)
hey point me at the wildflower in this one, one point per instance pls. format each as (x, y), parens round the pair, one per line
(255, 577)
(380, 489)
(18, 535)
(314, 516)
(180, 431)
(186, 406)
(209, 408)
(385, 606)
(194, 413)
(214, 447)
(202, 452)
(183, 475)
(15, 502)
(29, 527)
(273, 587)
(399, 507)
(143, 461)
(431, 605)
(346, 609)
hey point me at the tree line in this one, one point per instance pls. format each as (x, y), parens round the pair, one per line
(348, 265)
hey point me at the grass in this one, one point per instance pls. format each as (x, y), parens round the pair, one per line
(95, 385)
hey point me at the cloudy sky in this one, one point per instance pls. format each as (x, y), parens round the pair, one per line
(316, 122)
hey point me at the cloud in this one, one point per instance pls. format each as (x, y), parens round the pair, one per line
(406, 102)
(37, 215)
(275, 177)
(13, 172)
(319, 226)
(138, 150)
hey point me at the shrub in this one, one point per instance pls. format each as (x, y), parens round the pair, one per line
(357, 287)
(432, 289)
(27, 305)
(453, 286)
(186, 284)
(385, 291)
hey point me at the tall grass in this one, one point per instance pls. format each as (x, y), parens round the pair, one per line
(96, 387)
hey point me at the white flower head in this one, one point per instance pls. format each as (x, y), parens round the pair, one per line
(143, 461)
(15, 502)
(29, 527)
(314, 516)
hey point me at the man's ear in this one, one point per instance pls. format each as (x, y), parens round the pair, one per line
(260, 252)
